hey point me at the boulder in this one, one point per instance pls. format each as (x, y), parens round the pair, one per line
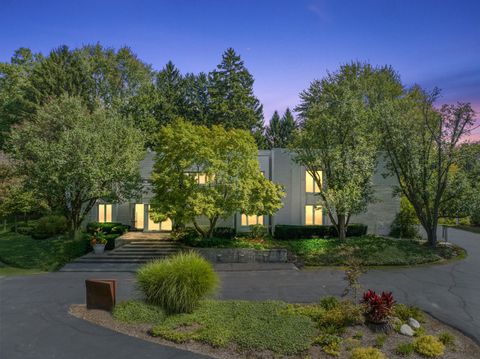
(413, 323)
(405, 329)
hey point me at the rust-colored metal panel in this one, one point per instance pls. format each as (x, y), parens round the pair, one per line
(101, 293)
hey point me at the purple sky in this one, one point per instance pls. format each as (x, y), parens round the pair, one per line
(285, 44)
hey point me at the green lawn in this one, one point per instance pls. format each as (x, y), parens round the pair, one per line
(24, 252)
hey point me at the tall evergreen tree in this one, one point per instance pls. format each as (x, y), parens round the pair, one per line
(232, 102)
(280, 131)
(272, 131)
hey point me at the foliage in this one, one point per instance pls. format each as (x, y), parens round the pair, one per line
(214, 242)
(50, 226)
(404, 312)
(178, 283)
(23, 251)
(133, 311)
(74, 157)
(330, 343)
(258, 232)
(232, 103)
(250, 326)
(378, 308)
(405, 223)
(108, 228)
(423, 164)
(228, 162)
(97, 237)
(280, 131)
(224, 232)
(371, 250)
(380, 341)
(447, 339)
(337, 136)
(404, 349)
(289, 232)
(367, 353)
(429, 346)
(329, 302)
(353, 271)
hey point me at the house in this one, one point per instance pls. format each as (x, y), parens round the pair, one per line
(299, 204)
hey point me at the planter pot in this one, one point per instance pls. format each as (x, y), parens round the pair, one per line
(377, 327)
(99, 248)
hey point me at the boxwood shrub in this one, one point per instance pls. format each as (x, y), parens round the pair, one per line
(108, 228)
(289, 232)
(224, 232)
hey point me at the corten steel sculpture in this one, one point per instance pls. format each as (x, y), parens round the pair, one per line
(100, 293)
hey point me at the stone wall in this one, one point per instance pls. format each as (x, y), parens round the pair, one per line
(242, 255)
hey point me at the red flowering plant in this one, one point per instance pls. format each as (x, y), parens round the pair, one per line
(98, 237)
(378, 307)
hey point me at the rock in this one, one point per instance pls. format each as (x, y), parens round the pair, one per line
(413, 323)
(405, 329)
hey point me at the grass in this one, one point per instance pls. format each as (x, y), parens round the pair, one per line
(24, 252)
(371, 250)
(249, 326)
(6, 270)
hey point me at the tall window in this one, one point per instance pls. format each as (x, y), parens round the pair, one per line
(104, 213)
(251, 220)
(311, 185)
(313, 215)
(139, 215)
(158, 226)
(201, 178)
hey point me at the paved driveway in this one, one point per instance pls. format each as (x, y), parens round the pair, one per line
(34, 320)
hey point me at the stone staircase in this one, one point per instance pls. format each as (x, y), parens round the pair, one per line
(127, 257)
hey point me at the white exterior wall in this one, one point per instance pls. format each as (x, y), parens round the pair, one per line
(278, 166)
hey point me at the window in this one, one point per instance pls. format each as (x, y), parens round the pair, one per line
(201, 178)
(158, 226)
(311, 185)
(313, 215)
(251, 220)
(139, 215)
(104, 213)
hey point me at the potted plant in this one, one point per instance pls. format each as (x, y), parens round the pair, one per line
(98, 241)
(378, 309)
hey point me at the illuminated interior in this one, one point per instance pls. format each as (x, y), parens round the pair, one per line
(313, 215)
(310, 183)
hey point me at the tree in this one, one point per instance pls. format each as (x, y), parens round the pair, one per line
(337, 138)
(420, 143)
(72, 157)
(232, 102)
(209, 172)
(280, 131)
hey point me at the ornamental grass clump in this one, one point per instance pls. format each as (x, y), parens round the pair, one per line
(367, 353)
(429, 346)
(178, 283)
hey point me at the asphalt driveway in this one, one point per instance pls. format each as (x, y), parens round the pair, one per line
(34, 319)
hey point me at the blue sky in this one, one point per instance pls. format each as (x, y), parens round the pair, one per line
(285, 44)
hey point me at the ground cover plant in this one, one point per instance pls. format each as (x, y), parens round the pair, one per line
(22, 251)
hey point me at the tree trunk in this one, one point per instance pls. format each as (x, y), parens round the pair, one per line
(213, 223)
(199, 229)
(432, 235)
(341, 227)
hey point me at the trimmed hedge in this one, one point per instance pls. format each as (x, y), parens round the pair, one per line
(108, 228)
(289, 232)
(224, 232)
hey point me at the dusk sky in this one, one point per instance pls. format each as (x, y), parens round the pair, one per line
(285, 44)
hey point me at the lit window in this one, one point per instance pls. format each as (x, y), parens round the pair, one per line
(139, 216)
(251, 220)
(104, 213)
(158, 226)
(201, 178)
(313, 215)
(311, 185)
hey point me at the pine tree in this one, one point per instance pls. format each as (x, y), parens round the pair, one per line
(232, 102)
(280, 131)
(273, 131)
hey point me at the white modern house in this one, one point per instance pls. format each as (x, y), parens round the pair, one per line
(299, 204)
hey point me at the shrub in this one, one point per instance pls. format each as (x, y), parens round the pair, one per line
(25, 229)
(404, 312)
(50, 226)
(342, 315)
(329, 302)
(288, 232)
(223, 232)
(258, 231)
(108, 228)
(404, 349)
(178, 283)
(447, 339)
(429, 346)
(405, 223)
(380, 340)
(367, 353)
(378, 307)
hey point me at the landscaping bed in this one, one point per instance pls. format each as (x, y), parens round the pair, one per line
(271, 329)
(371, 250)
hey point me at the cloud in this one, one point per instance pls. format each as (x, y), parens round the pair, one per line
(319, 9)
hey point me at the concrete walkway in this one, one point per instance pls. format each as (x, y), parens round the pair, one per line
(34, 319)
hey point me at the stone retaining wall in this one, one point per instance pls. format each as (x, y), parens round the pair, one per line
(243, 255)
